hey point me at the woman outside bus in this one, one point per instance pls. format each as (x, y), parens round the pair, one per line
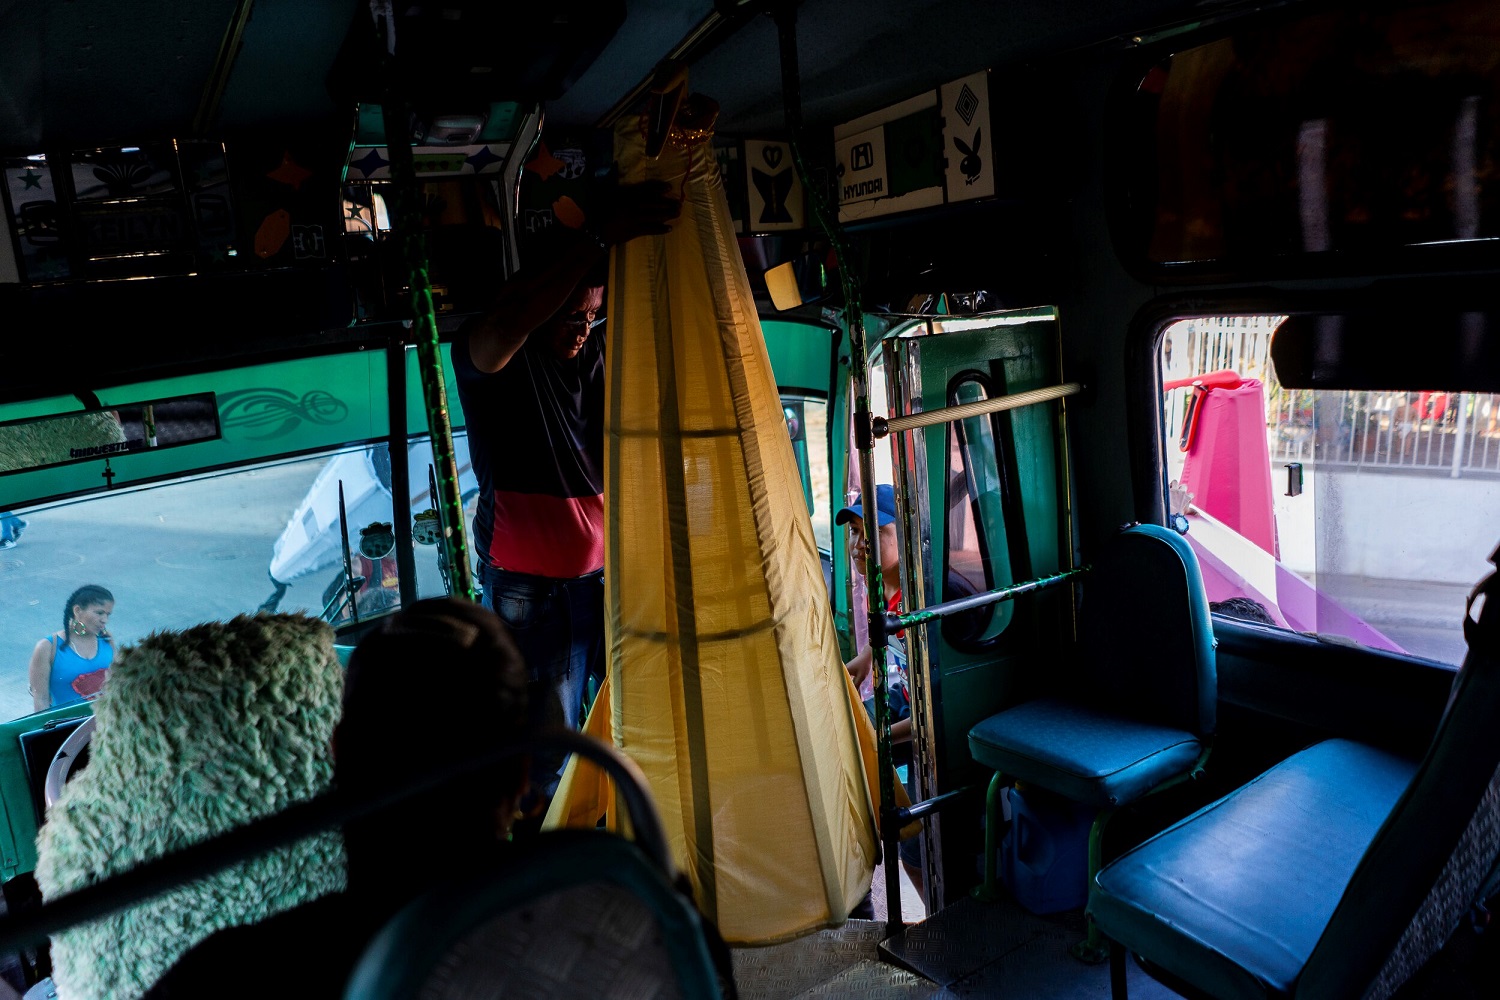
(70, 666)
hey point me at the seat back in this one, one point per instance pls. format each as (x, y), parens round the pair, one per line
(580, 913)
(171, 765)
(1146, 640)
(1427, 862)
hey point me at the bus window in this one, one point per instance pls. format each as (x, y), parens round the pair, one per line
(807, 423)
(186, 551)
(1337, 130)
(976, 521)
(432, 579)
(1358, 514)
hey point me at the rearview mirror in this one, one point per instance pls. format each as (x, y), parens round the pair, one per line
(65, 438)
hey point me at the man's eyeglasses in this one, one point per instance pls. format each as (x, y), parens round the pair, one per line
(582, 319)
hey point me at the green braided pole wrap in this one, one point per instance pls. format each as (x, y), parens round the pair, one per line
(455, 548)
(197, 732)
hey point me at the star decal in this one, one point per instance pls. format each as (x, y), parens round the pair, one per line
(31, 179)
(290, 172)
(482, 159)
(370, 162)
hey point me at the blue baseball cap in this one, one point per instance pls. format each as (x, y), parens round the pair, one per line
(885, 508)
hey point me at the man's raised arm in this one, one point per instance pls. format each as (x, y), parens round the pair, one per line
(531, 298)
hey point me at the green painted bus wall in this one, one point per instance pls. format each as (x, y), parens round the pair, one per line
(18, 824)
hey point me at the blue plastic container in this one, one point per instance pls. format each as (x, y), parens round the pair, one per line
(1044, 858)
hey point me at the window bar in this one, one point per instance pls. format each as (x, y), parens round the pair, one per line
(895, 623)
(1365, 433)
(948, 414)
(1478, 433)
(1393, 457)
(1431, 429)
(1460, 426)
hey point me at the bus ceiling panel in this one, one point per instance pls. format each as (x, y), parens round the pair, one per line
(82, 72)
(470, 53)
(856, 59)
(277, 73)
(90, 72)
(655, 32)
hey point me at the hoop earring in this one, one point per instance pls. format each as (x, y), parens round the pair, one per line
(78, 628)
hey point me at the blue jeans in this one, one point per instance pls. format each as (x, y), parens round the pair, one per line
(10, 528)
(558, 626)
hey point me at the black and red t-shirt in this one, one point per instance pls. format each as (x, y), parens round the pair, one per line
(536, 440)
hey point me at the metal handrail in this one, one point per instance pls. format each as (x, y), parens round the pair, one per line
(881, 427)
(895, 623)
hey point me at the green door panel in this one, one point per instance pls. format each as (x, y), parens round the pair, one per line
(416, 405)
(1003, 475)
(801, 355)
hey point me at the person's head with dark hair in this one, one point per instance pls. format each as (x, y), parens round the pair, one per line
(569, 328)
(377, 748)
(87, 611)
(1243, 608)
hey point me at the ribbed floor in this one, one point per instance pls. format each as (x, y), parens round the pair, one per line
(967, 950)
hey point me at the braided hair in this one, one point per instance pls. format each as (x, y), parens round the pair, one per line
(84, 596)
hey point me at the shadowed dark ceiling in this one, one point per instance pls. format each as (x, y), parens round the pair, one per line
(80, 72)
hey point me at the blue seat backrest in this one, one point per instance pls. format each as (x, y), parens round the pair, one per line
(620, 923)
(1146, 640)
(1442, 832)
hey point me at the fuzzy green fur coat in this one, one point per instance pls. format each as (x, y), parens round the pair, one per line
(197, 732)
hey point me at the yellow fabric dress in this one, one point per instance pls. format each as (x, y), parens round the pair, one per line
(726, 683)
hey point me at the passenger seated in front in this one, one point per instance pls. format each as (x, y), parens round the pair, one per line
(395, 854)
(197, 732)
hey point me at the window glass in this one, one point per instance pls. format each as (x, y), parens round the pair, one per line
(1382, 534)
(976, 555)
(1336, 130)
(807, 424)
(883, 456)
(209, 547)
(815, 416)
(432, 578)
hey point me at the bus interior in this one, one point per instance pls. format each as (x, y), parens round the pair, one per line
(1203, 290)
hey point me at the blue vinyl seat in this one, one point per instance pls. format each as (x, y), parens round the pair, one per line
(1336, 873)
(1140, 711)
(583, 914)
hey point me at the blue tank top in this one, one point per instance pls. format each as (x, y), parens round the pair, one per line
(73, 677)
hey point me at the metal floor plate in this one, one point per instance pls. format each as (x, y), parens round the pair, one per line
(1027, 960)
(875, 980)
(783, 971)
(1042, 969)
(962, 939)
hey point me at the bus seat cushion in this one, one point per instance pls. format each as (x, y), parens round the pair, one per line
(1082, 752)
(1235, 896)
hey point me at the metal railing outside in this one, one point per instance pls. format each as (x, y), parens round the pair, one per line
(1453, 432)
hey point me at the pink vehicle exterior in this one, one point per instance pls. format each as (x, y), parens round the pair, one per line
(1226, 477)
